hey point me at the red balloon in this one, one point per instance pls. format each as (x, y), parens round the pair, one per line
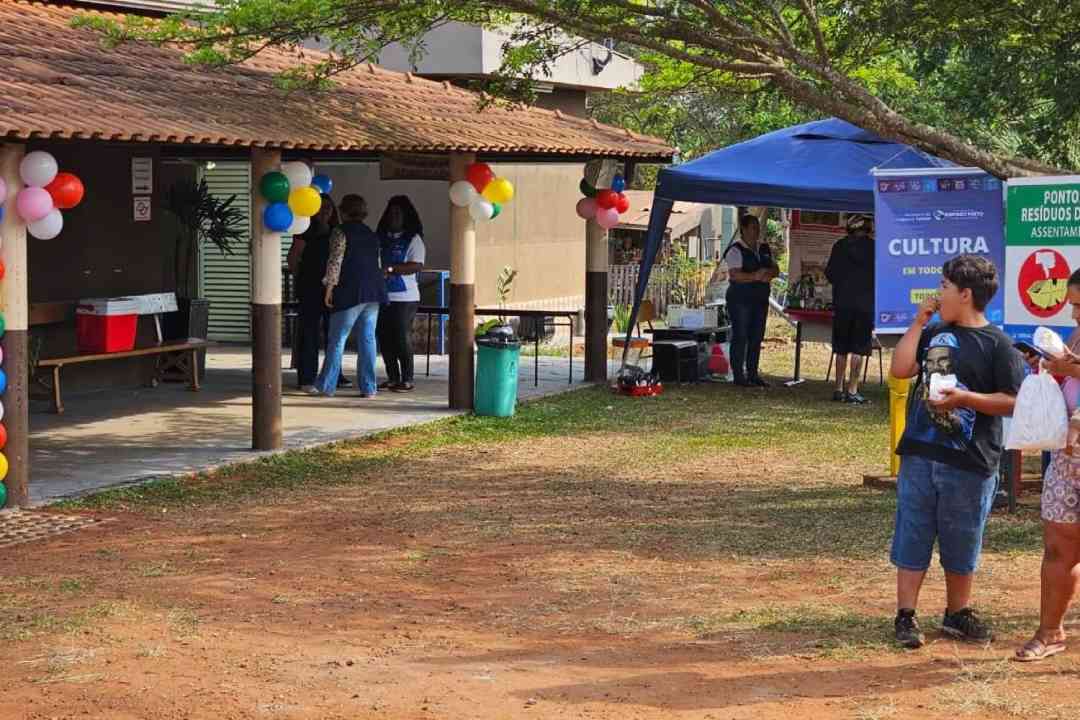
(479, 174)
(622, 204)
(3, 269)
(66, 190)
(3, 437)
(607, 199)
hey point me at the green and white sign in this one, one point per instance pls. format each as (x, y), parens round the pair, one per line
(1042, 248)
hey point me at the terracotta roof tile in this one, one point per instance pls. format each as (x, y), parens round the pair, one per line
(60, 82)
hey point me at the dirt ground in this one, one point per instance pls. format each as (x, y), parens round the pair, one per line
(547, 577)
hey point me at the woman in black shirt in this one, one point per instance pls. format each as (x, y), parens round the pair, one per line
(307, 261)
(750, 268)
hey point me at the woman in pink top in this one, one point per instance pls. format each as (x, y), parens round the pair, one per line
(1060, 511)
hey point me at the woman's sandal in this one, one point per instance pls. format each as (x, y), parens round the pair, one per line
(1035, 650)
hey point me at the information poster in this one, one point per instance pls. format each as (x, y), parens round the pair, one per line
(1042, 249)
(924, 218)
(813, 235)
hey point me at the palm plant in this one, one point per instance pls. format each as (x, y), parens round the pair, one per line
(203, 217)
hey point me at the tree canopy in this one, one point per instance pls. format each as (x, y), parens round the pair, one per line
(987, 83)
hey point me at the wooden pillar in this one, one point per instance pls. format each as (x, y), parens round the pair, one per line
(462, 294)
(14, 305)
(596, 302)
(265, 313)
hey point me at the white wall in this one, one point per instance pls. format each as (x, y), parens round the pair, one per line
(457, 49)
(538, 232)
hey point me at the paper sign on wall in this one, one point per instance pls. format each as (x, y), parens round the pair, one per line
(142, 176)
(142, 209)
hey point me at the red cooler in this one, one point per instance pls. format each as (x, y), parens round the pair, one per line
(105, 325)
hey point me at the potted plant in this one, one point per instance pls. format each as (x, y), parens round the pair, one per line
(202, 218)
(504, 286)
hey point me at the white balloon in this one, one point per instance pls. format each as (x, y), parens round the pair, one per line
(299, 174)
(299, 226)
(47, 227)
(38, 168)
(1, 411)
(462, 193)
(481, 209)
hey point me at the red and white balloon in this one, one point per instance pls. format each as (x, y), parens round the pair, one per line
(483, 192)
(47, 192)
(603, 206)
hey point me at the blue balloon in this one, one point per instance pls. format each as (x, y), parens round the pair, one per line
(322, 183)
(618, 183)
(1, 213)
(3, 382)
(277, 217)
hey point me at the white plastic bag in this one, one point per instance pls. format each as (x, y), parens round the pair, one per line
(1049, 342)
(1040, 420)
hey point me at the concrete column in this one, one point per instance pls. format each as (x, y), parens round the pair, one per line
(14, 305)
(596, 302)
(462, 294)
(265, 313)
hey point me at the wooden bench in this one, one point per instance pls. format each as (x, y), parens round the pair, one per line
(182, 356)
(176, 355)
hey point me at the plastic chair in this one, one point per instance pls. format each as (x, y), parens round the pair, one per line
(646, 314)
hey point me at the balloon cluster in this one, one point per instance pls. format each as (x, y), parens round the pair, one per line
(482, 192)
(294, 197)
(603, 206)
(47, 192)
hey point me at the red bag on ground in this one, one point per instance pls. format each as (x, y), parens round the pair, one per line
(718, 362)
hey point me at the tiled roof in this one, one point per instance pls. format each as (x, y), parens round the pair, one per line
(60, 82)
(685, 216)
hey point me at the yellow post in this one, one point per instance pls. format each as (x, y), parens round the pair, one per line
(898, 394)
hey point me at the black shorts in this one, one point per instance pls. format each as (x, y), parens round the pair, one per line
(852, 331)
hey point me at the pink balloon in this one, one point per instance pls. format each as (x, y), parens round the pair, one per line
(3, 191)
(586, 208)
(33, 203)
(607, 218)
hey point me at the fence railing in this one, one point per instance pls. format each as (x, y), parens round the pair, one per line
(666, 286)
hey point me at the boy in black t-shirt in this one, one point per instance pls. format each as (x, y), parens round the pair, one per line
(951, 445)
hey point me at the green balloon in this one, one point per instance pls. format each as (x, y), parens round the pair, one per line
(3, 326)
(3, 494)
(497, 208)
(275, 187)
(586, 189)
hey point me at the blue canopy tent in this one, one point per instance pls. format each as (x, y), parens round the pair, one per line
(822, 165)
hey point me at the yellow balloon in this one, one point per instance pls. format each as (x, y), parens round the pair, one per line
(3, 467)
(500, 190)
(304, 201)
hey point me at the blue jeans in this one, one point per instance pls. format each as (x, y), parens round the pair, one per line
(748, 320)
(361, 318)
(937, 501)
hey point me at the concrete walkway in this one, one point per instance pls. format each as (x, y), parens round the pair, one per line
(125, 436)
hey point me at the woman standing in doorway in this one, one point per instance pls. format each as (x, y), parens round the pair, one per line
(401, 236)
(751, 269)
(354, 290)
(307, 261)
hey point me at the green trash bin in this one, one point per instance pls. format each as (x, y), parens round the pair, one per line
(496, 376)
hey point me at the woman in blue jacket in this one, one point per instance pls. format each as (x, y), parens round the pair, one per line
(354, 290)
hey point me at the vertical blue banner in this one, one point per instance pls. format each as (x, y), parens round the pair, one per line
(923, 218)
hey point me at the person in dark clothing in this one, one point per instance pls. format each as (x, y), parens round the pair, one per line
(307, 262)
(354, 289)
(851, 272)
(402, 238)
(750, 269)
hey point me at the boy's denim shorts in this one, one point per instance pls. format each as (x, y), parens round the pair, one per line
(937, 501)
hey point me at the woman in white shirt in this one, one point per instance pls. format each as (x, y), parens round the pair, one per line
(401, 236)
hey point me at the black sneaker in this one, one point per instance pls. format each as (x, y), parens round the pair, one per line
(965, 625)
(908, 633)
(759, 382)
(839, 396)
(855, 399)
